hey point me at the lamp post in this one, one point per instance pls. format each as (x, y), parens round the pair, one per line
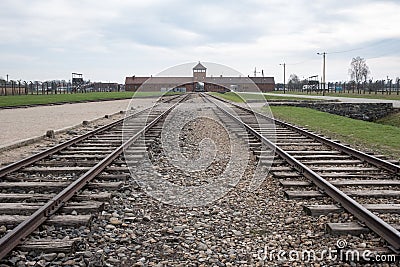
(5, 90)
(323, 54)
(284, 76)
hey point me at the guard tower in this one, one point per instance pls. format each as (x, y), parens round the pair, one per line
(199, 73)
(77, 79)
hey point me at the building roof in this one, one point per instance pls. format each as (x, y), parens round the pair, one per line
(240, 80)
(214, 80)
(262, 79)
(199, 66)
(135, 80)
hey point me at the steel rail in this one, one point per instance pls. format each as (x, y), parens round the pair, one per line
(393, 168)
(41, 155)
(14, 237)
(376, 224)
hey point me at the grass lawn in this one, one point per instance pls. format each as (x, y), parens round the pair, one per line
(243, 97)
(392, 119)
(360, 134)
(17, 100)
(393, 96)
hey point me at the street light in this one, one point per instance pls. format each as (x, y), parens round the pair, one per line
(284, 76)
(323, 69)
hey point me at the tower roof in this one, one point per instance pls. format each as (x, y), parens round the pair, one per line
(199, 66)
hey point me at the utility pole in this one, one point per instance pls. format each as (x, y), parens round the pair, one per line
(284, 76)
(255, 72)
(7, 78)
(323, 70)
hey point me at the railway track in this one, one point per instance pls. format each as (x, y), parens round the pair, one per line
(61, 187)
(135, 226)
(360, 192)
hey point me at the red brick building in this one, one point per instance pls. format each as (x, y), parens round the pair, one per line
(200, 82)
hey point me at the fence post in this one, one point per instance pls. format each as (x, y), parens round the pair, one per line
(397, 87)
(369, 87)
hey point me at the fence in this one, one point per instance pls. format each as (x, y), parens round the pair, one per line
(368, 87)
(42, 88)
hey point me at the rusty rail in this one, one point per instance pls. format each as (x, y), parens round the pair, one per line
(376, 224)
(41, 155)
(348, 150)
(14, 237)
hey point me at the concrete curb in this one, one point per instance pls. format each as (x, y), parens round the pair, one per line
(35, 139)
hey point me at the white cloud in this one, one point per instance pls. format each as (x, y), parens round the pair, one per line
(148, 36)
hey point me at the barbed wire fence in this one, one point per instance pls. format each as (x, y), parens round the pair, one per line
(54, 87)
(388, 87)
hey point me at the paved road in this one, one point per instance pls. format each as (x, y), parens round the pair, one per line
(396, 103)
(23, 123)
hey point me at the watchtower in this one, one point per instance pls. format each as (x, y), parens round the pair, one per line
(199, 72)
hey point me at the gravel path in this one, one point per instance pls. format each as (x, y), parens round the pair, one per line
(9, 156)
(24, 123)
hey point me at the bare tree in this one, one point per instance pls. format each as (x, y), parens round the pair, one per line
(294, 79)
(295, 82)
(359, 70)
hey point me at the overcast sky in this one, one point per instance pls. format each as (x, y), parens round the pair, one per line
(108, 40)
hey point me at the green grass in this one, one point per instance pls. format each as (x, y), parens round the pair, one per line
(229, 96)
(392, 119)
(244, 97)
(393, 96)
(17, 100)
(368, 136)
